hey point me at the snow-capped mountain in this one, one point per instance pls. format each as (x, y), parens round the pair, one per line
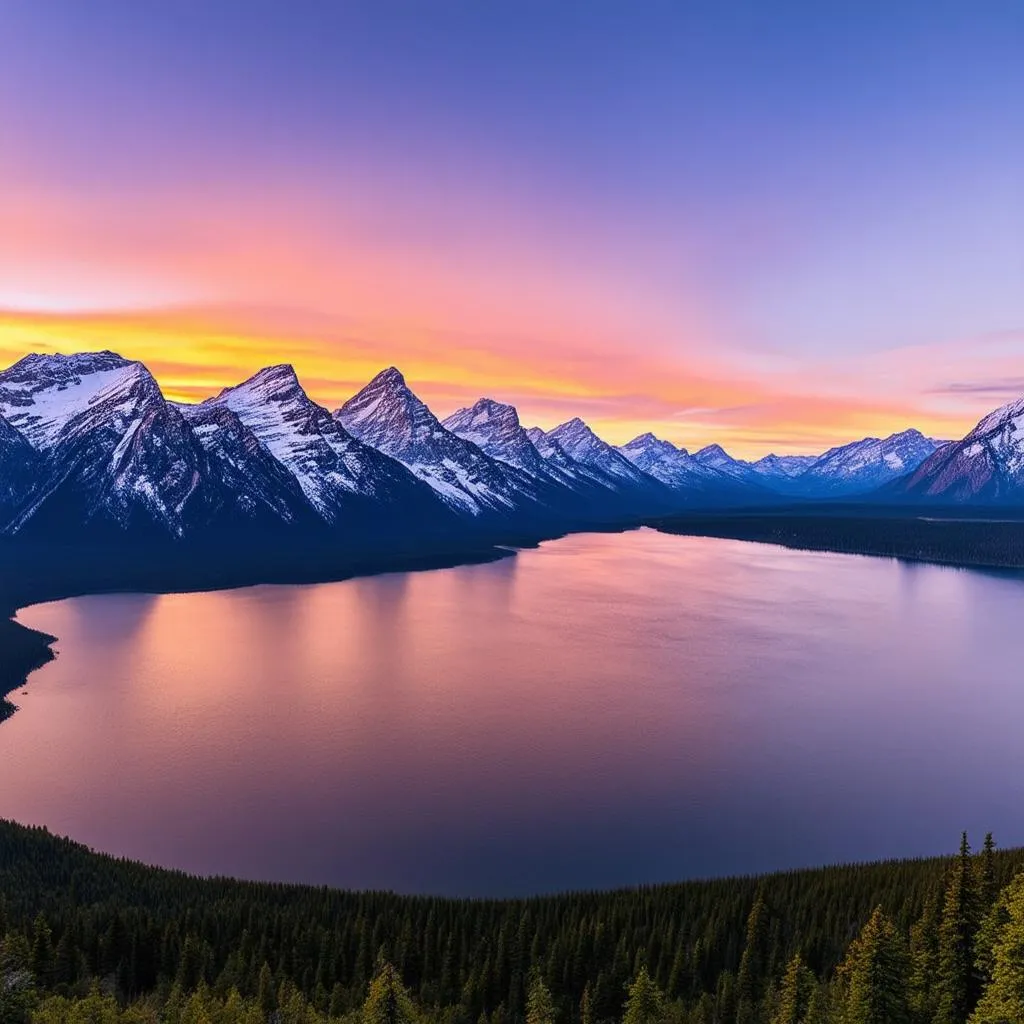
(259, 485)
(573, 474)
(90, 447)
(685, 475)
(550, 450)
(116, 455)
(349, 483)
(495, 429)
(714, 456)
(673, 466)
(866, 465)
(581, 444)
(783, 467)
(987, 465)
(387, 415)
(847, 470)
(42, 395)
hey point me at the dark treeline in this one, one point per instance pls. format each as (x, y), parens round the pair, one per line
(938, 536)
(88, 938)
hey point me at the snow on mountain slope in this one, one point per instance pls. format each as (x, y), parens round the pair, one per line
(347, 482)
(43, 395)
(673, 466)
(987, 465)
(389, 416)
(259, 485)
(580, 443)
(686, 475)
(866, 465)
(714, 456)
(495, 429)
(850, 469)
(117, 456)
(783, 467)
(592, 483)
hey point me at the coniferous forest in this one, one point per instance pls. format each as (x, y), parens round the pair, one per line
(89, 939)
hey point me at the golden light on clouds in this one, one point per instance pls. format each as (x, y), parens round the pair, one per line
(195, 352)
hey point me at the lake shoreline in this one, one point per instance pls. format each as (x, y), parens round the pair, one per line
(475, 730)
(25, 649)
(36, 576)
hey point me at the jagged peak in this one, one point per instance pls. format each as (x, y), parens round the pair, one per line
(76, 362)
(484, 409)
(387, 390)
(713, 449)
(651, 440)
(391, 377)
(574, 429)
(997, 418)
(574, 424)
(493, 405)
(277, 378)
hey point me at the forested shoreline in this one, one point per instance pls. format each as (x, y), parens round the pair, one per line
(940, 538)
(89, 938)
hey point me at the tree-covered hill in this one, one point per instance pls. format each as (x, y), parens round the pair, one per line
(722, 950)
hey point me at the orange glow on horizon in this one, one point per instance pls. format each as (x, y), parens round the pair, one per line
(196, 352)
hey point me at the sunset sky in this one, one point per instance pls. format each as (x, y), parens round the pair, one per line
(774, 225)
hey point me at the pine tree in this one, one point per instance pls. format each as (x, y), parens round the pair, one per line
(540, 1007)
(988, 885)
(43, 955)
(754, 962)
(874, 976)
(798, 985)
(388, 1001)
(1003, 999)
(819, 1005)
(586, 1007)
(958, 982)
(266, 995)
(645, 1003)
(924, 962)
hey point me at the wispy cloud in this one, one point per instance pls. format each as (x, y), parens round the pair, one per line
(1008, 388)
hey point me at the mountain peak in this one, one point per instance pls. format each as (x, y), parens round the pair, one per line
(41, 395)
(713, 451)
(280, 373)
(492, 407)
(579, 442)
(484, 411)
(391, 377)
(388, 415)
(77, 362)
(652, 443)
(495, 429)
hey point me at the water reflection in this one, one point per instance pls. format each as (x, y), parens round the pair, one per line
(605, 710)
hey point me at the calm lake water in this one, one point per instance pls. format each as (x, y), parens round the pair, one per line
(606, 710)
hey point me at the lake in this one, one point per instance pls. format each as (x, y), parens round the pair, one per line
(605, 710)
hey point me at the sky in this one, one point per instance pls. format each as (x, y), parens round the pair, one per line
(773, 225)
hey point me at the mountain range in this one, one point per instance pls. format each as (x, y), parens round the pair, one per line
(91, 448)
